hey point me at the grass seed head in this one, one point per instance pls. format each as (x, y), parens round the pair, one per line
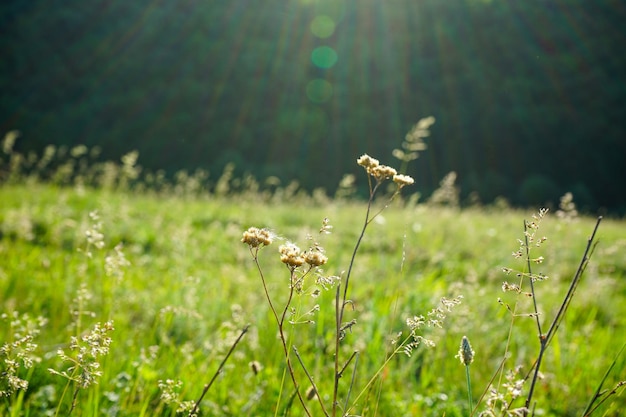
(466, 354)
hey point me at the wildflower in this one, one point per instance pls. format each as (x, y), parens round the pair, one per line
(291, 255)
(115, 263)
(85, 368)
(382, 172)
(17, 352)
(326, 226)
(255, 237)
(402, 180)
(367, 162)
(466, 354)
(315, 258)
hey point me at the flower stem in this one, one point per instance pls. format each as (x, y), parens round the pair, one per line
(469, 387)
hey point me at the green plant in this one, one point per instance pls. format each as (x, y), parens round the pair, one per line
(305, 264)
(515, 380)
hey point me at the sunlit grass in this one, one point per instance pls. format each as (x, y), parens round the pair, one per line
(191, 287)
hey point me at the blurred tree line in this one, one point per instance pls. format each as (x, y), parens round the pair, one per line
(529, 97)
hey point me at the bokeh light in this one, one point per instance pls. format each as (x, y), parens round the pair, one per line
(324, 57)
(323, 26)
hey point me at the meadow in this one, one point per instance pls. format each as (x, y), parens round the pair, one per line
(125, 298)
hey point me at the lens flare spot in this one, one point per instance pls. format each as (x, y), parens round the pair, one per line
(324, 57)
(323, 26)
(319, 91)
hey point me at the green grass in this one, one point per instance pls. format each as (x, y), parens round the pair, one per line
(192, 286)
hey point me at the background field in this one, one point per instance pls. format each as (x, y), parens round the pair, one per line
(529, 96)
(191, 287)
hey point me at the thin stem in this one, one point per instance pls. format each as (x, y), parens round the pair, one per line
(280, 321)
(545, 339)
(570, 293)
(219, 369)
(267, 294)
(356, 247)
(530, 278)
(338, 311)
(469, 387)
(74, 399)
(340, 306)
(380, 369)
(355, 355)
(480, 400)
(283, 340)
(311, 381)
(590, 409)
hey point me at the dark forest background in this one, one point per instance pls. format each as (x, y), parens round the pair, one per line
(529, 96)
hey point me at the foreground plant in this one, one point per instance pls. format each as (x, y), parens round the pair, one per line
(466, 356)
(503, 403)
(304, 266)
(18, 354)
(84, 357)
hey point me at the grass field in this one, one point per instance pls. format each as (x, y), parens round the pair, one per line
(182, 286)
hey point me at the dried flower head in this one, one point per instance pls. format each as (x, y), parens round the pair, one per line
(367, 162)
(403, 180)
(315, 257)
(466, 354)
(382, 172)
(291, 255)
(255, 237)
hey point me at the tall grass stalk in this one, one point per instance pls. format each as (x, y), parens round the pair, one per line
(545, 339)
(206, 388)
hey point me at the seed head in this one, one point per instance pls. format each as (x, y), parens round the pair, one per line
(311, 393)
(367, 162)
(255, 237)
(315, 258)
(403, 180)
(291, 255)
(466, 354)
(256, 367)
(382, 172)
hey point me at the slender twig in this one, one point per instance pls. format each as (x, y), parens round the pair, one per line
(340, 306)
(280, 321)
(255, 257)
(377, 373)
(219, 369)
(545, 339)
(469, 386)
(590, 409)
(355, 355)
(490, 383)
(283, 340)
(295, 350)
(530, 278)
(579, 272)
